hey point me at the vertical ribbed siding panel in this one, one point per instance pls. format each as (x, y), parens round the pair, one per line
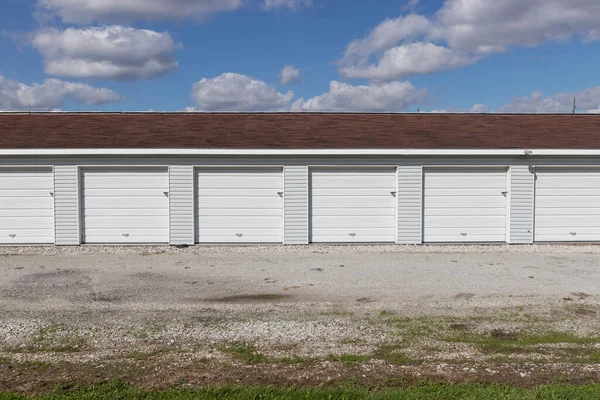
(181, 205)
(295, 205)
(522, 188)
(66, 205)
(410, 204)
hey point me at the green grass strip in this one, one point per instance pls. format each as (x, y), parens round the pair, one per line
(425, 391)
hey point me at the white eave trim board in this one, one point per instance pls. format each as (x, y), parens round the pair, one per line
(297, 152)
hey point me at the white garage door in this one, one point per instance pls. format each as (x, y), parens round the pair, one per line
(126, 205)
(353, 205)
(567, 205)
(465, 205)
(26, 206)
(240, 205)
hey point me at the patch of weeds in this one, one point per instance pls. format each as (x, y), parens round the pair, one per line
(391, 354)
(504, 342)
(141, 356)
(292, 360)
(385, 313)
(348, 358)
(244, 352)
(54, 338)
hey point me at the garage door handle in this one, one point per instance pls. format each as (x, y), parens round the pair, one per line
(504, 194)
(51, 194)
(394, 193)
(463, 234)
(573, 233)
(166, 194)
(126, 234)
(12, 235)
(280, 194)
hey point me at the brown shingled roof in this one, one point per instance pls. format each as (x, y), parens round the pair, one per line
(297, 131)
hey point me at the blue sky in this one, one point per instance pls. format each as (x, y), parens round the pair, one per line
(300, 55)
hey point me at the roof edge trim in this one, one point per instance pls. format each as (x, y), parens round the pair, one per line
(299, 152)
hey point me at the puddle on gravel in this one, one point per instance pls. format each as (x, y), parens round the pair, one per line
(243, 298)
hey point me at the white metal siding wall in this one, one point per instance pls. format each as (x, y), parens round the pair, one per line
(296, 204)
(410, 203)
(521, 204)
(181, 205)
(66, 205)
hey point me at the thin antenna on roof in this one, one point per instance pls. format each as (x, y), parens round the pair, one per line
(574, 104)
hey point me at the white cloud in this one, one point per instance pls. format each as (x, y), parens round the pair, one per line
(384, 97)
(588, 101)
(109, 52)
(235, 92)
(406, 60)
(50, 94)
(89, 11)
(292, 4)
(386, 35)
(289, 74)
(467, 30)
(476, 109)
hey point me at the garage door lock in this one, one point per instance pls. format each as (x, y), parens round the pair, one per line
(352, 234)
(463, 234)
(280, 194)
(12, 235)
(166, 194)
(504, 194)
(573, 233)
(126, 235)
(239, 234)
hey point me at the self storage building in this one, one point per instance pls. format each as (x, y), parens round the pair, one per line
(184, 179)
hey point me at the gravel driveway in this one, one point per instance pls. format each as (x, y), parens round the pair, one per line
(158, 278)
(400, 309)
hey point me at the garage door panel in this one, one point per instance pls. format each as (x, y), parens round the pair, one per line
(26, 236)
(26, 206)
(14, 222)
(233, 222)
(352, 212)
(24, 182)
(115, 237)
(357, 222)
(464, 205)
(249, 237)
(353, 205)
(343, 192)
(566, 192)
(365, 235)
(139, 181)
(565, 201)
(466, 202)
(235, 202)
(27, 203)
(463, 192)
(126, 212)
(567, 211)
(357, 180)
(471, 221)
(357, 201)
(543, 221)
(125, 205)
(239, 192)
(26, 193)
(239, 205)
(112, 202)
(241, 212)
(477, 211)
(567, 205)
(582, 236)
(124, 222)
